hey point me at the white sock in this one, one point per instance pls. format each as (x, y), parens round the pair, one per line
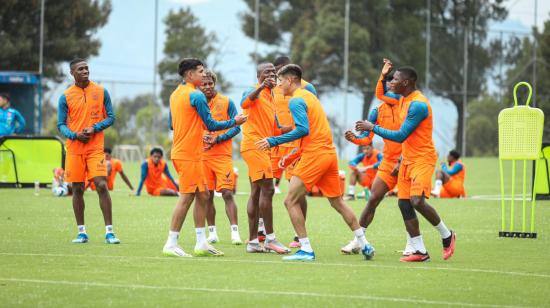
(235, 231)
(201, 238)
(81, 229)
(212, 231)
(261, 227)
(445, 233)
(437, 186)
(172, 238)
(418, 244)
(270, 237)
(351, 190)
(305, 244)
(360, 237)
(109, 229)
(409, 245)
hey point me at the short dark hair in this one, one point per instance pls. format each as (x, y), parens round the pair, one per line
(292, 70)
(108, 150)
(5, 95)
(188, 64)
(156, 150)
(281, 60)
(455, 154)
(408, 72)
(75, 61)
(211, 74)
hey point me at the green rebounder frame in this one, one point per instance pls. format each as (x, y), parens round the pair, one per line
(25, 160)
(520, 131)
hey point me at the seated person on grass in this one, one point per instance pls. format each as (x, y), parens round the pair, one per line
(449, 181)
(156, 176)
(370, 159)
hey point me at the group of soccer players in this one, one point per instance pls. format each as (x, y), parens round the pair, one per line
(284, 127)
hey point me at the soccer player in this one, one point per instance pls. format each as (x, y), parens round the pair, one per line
(417, 165)
(370, 158)
(285, 118)
(318, 164)
(11, 121)
(217, 159)
(258, 104)
(156, 176)
(449, 181)
(114, 166)
(189, 114)
(84, 111)
(387, 116)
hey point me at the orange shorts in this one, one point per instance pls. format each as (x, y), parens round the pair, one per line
(219, 173)
(191, 175)
(166, 184)
(415, 180)
(385, 173)
(82, 167)
(320, 170)
(276, 154)
(452, 189)
(259, 164)
(366, 180)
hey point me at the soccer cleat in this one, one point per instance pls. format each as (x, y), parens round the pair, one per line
(300, 255)
(450, 249)
(254, 248)
(351, 248)
(276, 246)
(295, 243)
(208, 251)
(175, 251)
(409, 250)
(261, 236)
(417, 256)
(212, 239)
(277, 190)
(349, 197)
(110, 238)
(368, 251)
(236, 240)
(81, 238)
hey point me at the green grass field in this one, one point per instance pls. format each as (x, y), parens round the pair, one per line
(39, 266)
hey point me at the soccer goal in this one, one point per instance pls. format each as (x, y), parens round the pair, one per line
(128, 153)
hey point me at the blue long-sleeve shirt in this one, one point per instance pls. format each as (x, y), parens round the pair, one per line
(11, 121)
(311, 89)
(456, 168)
(144, 169)
(359, 158)
(63, 111)
(232, 113)
(298, 109)
(418, 111)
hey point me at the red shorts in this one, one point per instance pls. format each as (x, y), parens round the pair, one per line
(82, 167)
(191, 175)
(219, 173)
(320, 170)
(415, 180)
(259, 164)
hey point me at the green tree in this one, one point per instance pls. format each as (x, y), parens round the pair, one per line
(69, 29)
(185, 38)
(482, 126)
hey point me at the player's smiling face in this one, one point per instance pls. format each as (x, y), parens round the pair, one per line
(80, 72)
(398, 84)
(207, 87)
(268, 72)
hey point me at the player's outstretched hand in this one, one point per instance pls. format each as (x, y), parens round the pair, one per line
(350, 136)
(281, 163)
(362, 126)
(240, 119)
(388, 66)
(262, 145)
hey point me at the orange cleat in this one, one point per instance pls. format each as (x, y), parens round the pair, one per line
(416, 257)
(450, 249)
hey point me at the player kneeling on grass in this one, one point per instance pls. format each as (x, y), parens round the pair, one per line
(370, 159)
(318, 164)
(217, 159)
(449, 181)
(156, 176)
(84, 111)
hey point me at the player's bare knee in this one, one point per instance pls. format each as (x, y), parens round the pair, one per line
(227, 195)
(417, 202)
(101, 186)
(78, 189)
(406, 208)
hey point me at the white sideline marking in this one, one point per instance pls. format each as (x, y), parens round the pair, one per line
(249, 291)
(471, 270)
(498, 197)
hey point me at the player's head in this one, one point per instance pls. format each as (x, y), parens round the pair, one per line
(453, 156)
(388, 79)
(404, 80)
(368, 149)
(290, 78)
(4, 100)
(266, 70)
(192, 71)
(156, 155)
(208, 86)
(108, 153)
(79, 70)
(280, 62)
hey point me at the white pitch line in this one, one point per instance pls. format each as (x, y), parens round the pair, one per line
(365, 264)
(250, 291)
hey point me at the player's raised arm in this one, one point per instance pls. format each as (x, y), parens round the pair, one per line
(382, 92)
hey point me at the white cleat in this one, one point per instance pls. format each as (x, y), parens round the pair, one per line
(277, 190)
(351, 248)
(254, 248)
(175, 251)
(212, 239)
